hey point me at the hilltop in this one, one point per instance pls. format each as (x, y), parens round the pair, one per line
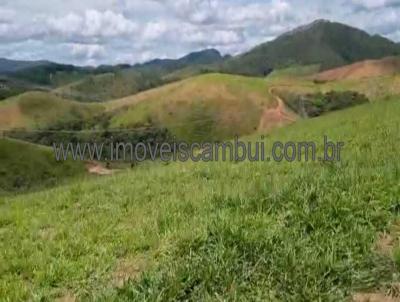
(211, 106)
(42, 110)
(131, 80)
(321, 43)
(329, 44)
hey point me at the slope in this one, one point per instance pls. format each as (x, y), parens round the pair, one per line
(133, 79)
(215, 231)
(25, 166)
(42, 110)
(365, 69)
(212, 106)
(329, 44)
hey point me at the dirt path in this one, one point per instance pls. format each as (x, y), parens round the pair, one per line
(98, 169)
(276, 117)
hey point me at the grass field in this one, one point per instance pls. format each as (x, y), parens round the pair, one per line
(41, 110)
(25, 167)
(212, 106)
(204, 107)
(107, 86)
(217, 231)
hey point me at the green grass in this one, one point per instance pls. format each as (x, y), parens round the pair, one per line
(108, 86)
(42, 110)
(295, 71)
(216, 231)
(211, 106)
(25, 167)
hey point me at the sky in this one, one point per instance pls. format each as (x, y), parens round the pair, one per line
(94, 32)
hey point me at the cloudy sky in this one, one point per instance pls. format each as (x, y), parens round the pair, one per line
(92, 32)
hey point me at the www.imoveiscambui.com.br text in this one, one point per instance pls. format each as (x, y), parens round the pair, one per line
(235, 150)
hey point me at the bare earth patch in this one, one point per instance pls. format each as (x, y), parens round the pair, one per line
(276, 117)
(98, 169)
(128, 269)
(69, 297)
(360, 70)
(385, 244)
(379, 297)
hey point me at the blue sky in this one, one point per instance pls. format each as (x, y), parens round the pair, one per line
(92, 32)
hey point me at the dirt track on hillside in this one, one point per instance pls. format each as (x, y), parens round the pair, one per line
(276, 117)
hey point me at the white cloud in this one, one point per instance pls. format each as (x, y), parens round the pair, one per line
(217, 37)
(6, 15)
(373, 4)
(87, 51)
(273, 12)
(117, 31)
(154, 30)
(92, 24)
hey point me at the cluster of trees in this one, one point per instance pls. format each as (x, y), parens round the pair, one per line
(315, 104)
(150, 136)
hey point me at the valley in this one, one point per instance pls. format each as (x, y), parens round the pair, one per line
(205, 231)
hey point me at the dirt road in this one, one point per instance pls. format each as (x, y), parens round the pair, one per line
(276, 117)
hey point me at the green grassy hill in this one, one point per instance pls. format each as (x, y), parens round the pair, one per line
(42, 110)
(25, 166)
(204, 107)
(212, 106)
(10, 87)
(108, 86)
(133, 79)
(329, 44)
(259, 231)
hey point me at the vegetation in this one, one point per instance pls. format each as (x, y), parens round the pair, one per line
(41, 110)
(206, 107)
(217, 231)
(107, 86)
(312, 105)
(10, 87)
(209, 231)
(131, 80)
(322, 42)
(24, 166)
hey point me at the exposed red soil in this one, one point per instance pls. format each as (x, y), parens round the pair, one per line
(374, 297)
(359, 70)
(98, 169)
(276, 117)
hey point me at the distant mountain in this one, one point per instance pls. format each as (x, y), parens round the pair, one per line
(329, 44)
(7, 66)
(204, 57)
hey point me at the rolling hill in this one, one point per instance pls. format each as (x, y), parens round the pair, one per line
(8, 66)
(260, 231)
(130, 80)
(25, 166)
(211, 106)
(42, 110)
(360, 70)
(322, 42)
(203, 57)
(107, 86)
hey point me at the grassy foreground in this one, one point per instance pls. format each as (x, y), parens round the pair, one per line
(216, 231)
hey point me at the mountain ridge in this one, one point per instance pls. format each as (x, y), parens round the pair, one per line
(330, 44)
